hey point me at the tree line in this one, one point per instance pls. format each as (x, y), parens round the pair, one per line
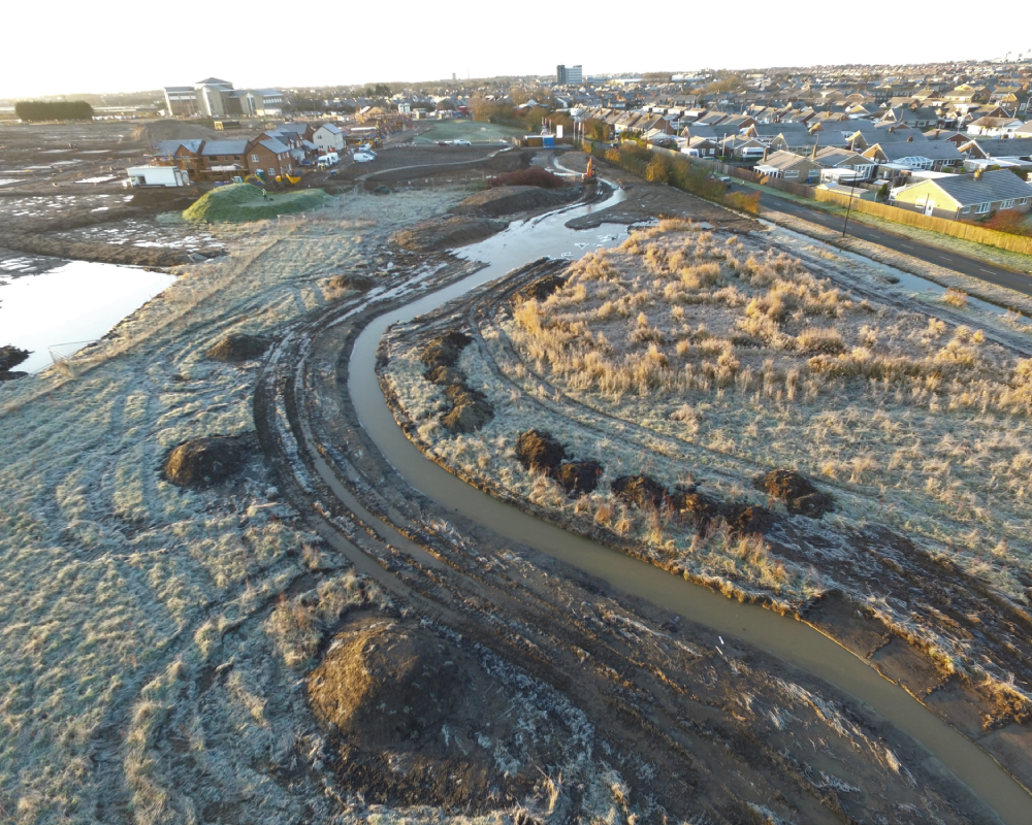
(36, 110)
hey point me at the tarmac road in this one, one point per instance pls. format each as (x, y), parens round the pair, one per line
(975, 267)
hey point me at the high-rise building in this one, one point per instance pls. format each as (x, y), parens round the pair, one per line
(569, 76)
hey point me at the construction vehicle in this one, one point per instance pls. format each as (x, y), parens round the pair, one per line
(288, 178)
(590, 176)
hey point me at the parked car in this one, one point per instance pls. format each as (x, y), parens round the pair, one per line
(442, 143)
(364, 157)
(461, 142)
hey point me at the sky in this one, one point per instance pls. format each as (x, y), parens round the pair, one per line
(123, 46)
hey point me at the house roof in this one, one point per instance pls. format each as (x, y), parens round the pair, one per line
(329, 127)
(1020, 147)
(994, 186)
(277, 147)
(170, 147)
(835, 156)
(784, 160)
(224, 147)
(297, 128)
(931, 149)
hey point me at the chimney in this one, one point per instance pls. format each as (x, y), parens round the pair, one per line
(765, 150)
(910, 139)
(979, 172)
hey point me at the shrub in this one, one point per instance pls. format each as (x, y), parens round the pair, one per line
(747, 203)
(1011, 221)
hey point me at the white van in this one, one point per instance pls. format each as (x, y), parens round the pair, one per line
(329, 159)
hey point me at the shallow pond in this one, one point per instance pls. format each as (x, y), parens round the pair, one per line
(66, 308)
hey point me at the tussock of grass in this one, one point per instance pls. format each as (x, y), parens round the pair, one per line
(242, 202)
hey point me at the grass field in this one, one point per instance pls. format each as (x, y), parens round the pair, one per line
(242, 202)
(120, 592)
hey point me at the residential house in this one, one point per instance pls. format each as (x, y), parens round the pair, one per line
(223, 160)
(918, 154)
(842, 164)
(701, 147)
(742, 148)
(269, 159)
(994, 126)
(329, 138)
(963, 197)
(790, 167)
(1011, 150)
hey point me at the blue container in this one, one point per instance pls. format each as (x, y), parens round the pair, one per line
(548, 140)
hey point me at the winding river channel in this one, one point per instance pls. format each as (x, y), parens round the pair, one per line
(788, 639)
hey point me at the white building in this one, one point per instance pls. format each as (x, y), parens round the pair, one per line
(328, 138)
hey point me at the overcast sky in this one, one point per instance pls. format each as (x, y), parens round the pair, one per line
(121, 46)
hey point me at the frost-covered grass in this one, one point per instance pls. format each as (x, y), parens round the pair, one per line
(697, 358)
(114, 581)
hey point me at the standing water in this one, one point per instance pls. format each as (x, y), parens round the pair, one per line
(68, 307)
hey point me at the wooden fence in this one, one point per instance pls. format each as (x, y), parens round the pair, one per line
(969, 232)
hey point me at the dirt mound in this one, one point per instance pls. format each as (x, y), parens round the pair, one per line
(239, 347)
(414, 719)
(352, 281)
(578, 477)
(444, 350)
(508, 200)
(242, 202)
(470, 409)
(539, 451)
(431, 236)
(158, 130)
(641, 491)
(799, 495)
(698, 507)
(748, 519)
(202, 462)
(540, 289)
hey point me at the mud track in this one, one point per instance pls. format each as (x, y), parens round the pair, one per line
(646, 694)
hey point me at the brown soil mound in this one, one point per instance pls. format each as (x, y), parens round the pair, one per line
(698, 507)
(641, 491)
(444, 350)
(240, 347)
(540, 289)
(539, 451)
(470, 410)
(431, 236)
(799, 495)
(414, 719)
(171, 130)
(37, 244)
(750, 519)
(352, 281)
(202, 462)
(578, 477)
(508, 200)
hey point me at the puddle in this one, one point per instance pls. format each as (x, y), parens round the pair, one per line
(5, 181)
(68, 307)
(99, 179)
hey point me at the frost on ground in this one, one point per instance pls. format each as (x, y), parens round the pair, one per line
(705, 360)
(116, 583)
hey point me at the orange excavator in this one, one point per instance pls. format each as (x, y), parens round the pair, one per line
(590, 175)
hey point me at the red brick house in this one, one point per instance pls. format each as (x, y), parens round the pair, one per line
(269, 158)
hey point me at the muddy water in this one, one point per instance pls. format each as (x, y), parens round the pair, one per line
(782, 637)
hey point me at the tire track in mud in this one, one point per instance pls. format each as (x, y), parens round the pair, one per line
(1004, 627)
(303, 439)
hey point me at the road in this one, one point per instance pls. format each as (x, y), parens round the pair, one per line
(975, 267)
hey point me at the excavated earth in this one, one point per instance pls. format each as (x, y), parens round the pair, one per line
(881, 561)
